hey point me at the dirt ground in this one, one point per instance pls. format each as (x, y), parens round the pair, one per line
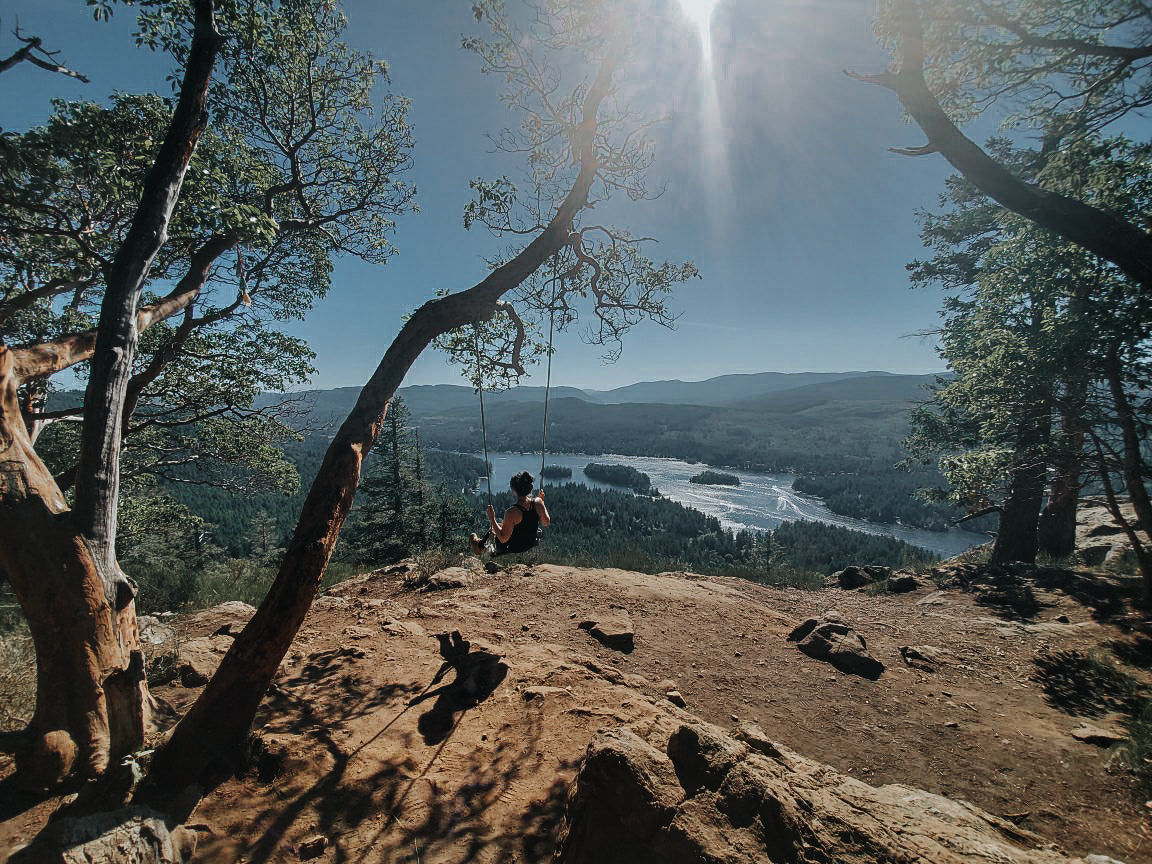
(363, 754)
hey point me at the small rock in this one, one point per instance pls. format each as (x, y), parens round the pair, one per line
(675, 698)
(451, 577)
(1090, 734)
(952, 724)
(1063, 619)
(313, 847)
(936, 598)
(923, 657)
(531, 693)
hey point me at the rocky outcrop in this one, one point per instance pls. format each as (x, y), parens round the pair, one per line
(1099, 540)
(132, 835)
(679, 791)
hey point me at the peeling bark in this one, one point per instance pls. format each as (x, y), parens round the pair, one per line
(92, 701)
(81, 640)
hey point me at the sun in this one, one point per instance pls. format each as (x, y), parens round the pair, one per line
(699, 12)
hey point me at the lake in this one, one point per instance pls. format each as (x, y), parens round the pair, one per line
(761, 501)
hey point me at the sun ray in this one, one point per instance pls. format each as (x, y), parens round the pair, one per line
(699, 12)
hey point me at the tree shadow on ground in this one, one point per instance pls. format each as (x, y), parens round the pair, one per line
(1108, 597)
(16, 799)
(1009, 589)
(1135, 649)
(1004, 588)
(406, 806)
(1083, 685)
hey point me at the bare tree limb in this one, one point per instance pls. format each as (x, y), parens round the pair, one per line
(33, 53)
(1109, 236)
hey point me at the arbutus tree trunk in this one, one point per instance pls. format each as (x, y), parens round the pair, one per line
(87, 706)
(92, 699)
(208, 744)
(209, 741)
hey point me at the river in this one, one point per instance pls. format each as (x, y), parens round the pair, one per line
(761, 501)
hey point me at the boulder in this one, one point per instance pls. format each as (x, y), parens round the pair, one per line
(833, 641)
(902, 583)
(197, 660)
(857, 576)
(675, 792)
(233, 612)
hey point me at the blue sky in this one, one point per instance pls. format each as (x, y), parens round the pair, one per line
(783, 192)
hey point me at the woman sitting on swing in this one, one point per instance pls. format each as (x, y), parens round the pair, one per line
(519, 530)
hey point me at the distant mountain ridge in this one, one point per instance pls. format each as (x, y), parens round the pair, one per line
(748, 391)
(721, 390)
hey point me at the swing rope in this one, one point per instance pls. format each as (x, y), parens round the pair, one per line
(547, 382)
(483, 425)
(548, 378)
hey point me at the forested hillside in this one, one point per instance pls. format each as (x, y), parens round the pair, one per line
(821, 438)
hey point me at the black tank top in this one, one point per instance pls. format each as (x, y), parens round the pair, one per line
(526, 532)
